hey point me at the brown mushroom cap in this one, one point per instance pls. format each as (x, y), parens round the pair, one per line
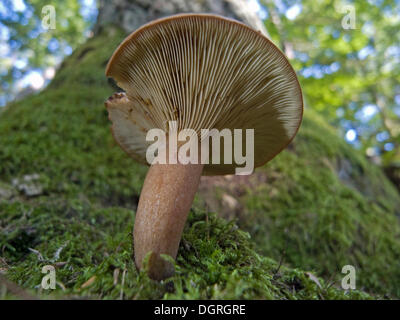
(205, 72)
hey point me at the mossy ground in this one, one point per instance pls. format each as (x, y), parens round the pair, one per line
(215, 261)
(325, 206)
(90, 190)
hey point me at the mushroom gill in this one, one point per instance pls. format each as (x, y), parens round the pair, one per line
(202, 72)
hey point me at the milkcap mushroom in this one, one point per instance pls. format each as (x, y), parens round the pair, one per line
(203, 72)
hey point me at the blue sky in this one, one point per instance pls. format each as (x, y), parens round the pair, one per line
(34, 78)
(39, 78)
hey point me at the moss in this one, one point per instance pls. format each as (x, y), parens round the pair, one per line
(90, 190)
(92, 251)
(63, 134)
(325, 206)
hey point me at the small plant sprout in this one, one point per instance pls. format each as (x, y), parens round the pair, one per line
(199, 72)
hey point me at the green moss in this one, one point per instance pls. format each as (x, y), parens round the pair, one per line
(215, 261)
(63, 133)
(90, 189)
(325, 206)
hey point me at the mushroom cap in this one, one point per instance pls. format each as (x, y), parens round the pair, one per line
(205, 72)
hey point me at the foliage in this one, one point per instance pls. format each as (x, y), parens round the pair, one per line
(90, 188)
(351, 76)
(30, 47)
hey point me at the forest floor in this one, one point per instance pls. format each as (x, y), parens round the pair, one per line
(68, 196)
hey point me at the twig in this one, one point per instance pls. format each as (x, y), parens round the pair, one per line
(121, 295)
(58, 252)
(39, 255)
(282, 257)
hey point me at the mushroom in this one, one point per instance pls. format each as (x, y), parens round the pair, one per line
(198, 71)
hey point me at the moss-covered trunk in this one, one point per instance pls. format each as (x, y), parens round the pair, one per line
(69, 193)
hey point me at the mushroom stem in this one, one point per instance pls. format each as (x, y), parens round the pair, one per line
(164, 204)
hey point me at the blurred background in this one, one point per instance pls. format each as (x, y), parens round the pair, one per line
(346, 54)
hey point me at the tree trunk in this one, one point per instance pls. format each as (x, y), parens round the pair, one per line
(130, 15)
(320, 201)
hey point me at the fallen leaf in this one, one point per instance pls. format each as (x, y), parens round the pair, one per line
(88, 283)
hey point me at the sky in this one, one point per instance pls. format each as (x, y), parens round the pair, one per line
(37, 79)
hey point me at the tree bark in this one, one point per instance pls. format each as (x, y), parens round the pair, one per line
(131, 14)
